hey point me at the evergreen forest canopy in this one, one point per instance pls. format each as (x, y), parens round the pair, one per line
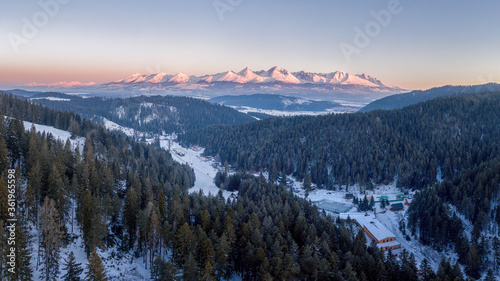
(149, 114)
(133, 197)
(416, 144)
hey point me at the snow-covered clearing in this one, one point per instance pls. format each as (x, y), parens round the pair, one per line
(110, 125)
(58, 134)
(118, 266)
(51, 99)
(203, 168)
(336, 110)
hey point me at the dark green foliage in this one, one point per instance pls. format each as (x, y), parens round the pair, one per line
(162, 270)
(164, 113)
(414, 97)
(490, 276)
(72, 268)
(94, 180)
(451, 134)
(95, 269)
(270, 234)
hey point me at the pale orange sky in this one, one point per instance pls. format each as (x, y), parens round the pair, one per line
(426, 44)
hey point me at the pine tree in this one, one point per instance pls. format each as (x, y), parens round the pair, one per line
(191, 272)
(496, 252)
(4, 193)
(222, 265)
(425, 268)
(130, 211)
(157, 269)
(473, 262)
(490, 276)
(51, 236)
(72, 268)
(307, 181)
(153, 234)
(95, 269)
(170, 272)
(92, 222)
(185, 243)
(3, 247)
(4, 160)
(23, 255)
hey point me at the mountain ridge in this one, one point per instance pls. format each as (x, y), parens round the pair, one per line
(337, 85)
(414, 97)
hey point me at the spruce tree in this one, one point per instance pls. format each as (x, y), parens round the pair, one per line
(170, 272)
(490, 276)
(72, 268)
(130, 212)
(3, 248)
(191, 272)
(473, 262)
(51, 235)
(95, 269)
(23, 255)
(92, 222)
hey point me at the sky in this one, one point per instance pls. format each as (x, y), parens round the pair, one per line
(413, 44)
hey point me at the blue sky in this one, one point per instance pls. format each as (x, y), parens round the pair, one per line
(424, 44)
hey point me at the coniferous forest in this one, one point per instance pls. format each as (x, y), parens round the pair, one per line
(133, 197)
(149, 114)
(443, 136)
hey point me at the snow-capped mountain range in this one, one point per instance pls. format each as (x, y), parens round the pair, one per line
(334, 86)
(246, 76)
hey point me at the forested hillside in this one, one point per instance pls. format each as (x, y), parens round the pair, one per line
(414, 97)
(151, 114)
(416, 145)
(474, 193)
(132, 197)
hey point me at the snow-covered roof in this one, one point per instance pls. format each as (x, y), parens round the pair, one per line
(376, 228)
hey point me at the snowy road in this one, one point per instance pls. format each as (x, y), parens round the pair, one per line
(203, 169)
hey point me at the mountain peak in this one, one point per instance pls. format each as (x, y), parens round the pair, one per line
(274, 75)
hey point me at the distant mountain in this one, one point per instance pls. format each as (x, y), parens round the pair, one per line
(336, 85)
(22, 93)
(275, 102)
(414, 97)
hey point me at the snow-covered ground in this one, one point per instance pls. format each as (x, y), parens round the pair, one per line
(124, 268)
(246, 109)
(110, 125)
(51, 99)
(388, 218)
(203, 168)
(118, 267)
(58, 134)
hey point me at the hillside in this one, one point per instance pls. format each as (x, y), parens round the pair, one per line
(277, 103)
(121, 203)
(150, 114)
(414, 97)
(414, 144)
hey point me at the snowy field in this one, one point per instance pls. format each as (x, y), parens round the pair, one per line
(336, 110)
(110, 125)
(203, 168)
(58, 134)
